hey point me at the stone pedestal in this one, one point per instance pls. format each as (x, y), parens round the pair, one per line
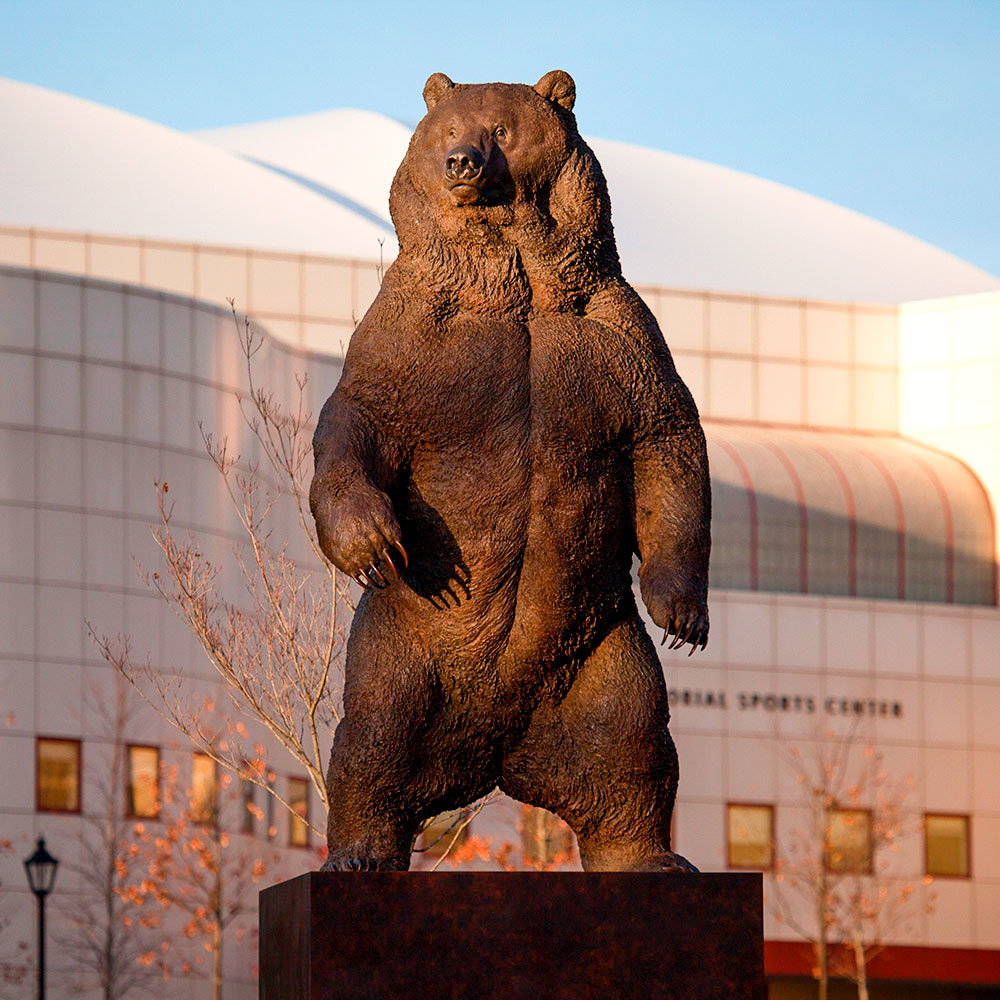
(512, 935)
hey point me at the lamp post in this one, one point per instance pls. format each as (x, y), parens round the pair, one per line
(41, 868)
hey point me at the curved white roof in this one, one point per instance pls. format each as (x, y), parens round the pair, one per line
(70, 164)
(679, 222)
(351, 154)
(320, 184)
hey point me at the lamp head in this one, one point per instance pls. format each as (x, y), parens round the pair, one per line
(41, 868)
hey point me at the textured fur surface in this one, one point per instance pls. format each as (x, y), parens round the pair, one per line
(509, 416)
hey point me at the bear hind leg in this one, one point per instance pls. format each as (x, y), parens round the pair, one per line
(603, 758)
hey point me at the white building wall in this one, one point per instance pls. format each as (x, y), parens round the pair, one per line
(949, 381)
(800, 363)
(103, 388)
(939, 663)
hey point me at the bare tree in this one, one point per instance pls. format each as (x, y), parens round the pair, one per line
(279, 648)
(854, 905)
(199, 865)
(106, 927)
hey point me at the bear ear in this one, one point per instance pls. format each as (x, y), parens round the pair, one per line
(558, 87)
(435, 88)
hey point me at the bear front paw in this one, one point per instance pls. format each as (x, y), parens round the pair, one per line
(687, 621)
(357, 533)
(679, 615)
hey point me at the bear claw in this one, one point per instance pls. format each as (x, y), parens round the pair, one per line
(351, 863)
(667, 862)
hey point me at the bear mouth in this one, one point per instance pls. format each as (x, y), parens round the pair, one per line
(465, 193)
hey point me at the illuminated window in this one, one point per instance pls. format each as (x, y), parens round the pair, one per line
(849, 841)
(751, 836)
(143, 792)
(545, 838)
(298, 799)
(249, 809)
(437, 835)
(946, 845)
(57, 775)
(204, 789)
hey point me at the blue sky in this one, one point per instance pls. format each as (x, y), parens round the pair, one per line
(890, 108)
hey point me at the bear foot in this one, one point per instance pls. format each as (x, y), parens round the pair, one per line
(668, 862)
(341, 861)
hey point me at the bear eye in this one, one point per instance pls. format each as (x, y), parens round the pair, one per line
(451, 132)
(500, 132)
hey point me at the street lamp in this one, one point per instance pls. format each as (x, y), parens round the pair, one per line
(41, 868)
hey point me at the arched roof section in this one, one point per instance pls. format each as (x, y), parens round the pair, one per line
(679, 222)
(858, 515)
(71, 164)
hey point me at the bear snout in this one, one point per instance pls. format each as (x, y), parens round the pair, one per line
(463, 164)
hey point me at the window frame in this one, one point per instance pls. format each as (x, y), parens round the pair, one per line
(769, 806)
(869, 869)
(968, 844)
(39, 808)
(292, 815)
(129, 747)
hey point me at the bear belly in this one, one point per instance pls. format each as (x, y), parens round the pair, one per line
(575, 576)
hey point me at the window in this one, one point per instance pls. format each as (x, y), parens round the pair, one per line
(750, 836)
(272, 829)
(57, 775)
(249, 808)
(437, 835)
(849, 841)
(204, 789)
(545, 838)
(946, 845)
(143, 791)
(298, 799)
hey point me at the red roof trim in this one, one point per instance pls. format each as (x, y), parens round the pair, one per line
(897, 500)
(728, 448)
(852, 518)
(800, 497)
(900, 962)
(949, 529)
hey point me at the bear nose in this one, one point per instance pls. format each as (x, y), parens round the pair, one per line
(463, 164)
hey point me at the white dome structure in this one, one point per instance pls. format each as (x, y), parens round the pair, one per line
(70, 164)
(319, 183)
(680, 223)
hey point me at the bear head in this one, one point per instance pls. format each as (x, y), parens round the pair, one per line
(504, 164)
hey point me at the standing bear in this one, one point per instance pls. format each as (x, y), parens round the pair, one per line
(508, 430)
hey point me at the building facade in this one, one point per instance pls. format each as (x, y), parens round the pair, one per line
(855, 455)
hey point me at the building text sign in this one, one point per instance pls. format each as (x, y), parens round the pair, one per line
(802, 704)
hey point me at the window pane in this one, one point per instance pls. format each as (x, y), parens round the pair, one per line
(203, 788)
(272, 829)
(850, 840)
(143, 782)
(750, 836)
(545, 838)
(438, 834)
(58, 775)
(247, 789)
(947, 839)
(298, 799)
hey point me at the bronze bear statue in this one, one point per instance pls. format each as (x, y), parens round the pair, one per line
(508, 430)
